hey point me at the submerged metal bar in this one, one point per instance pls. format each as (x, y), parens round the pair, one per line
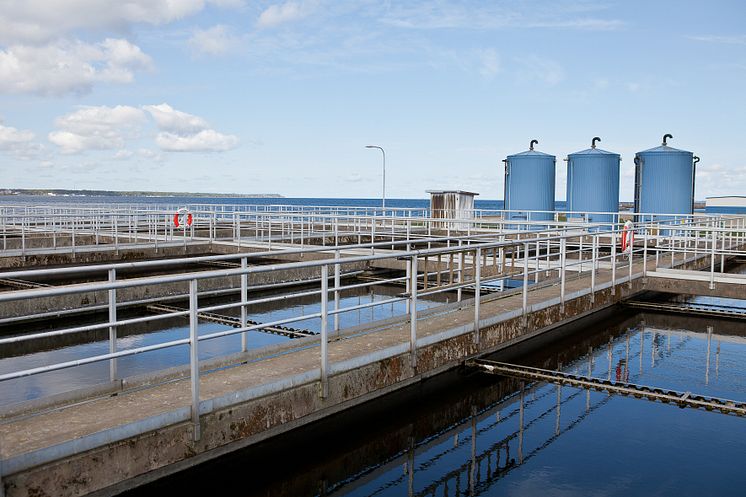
(683, 399)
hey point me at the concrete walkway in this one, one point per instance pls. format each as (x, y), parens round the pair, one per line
(115, 440)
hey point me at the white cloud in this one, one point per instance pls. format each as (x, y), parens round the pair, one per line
(537, 68)
(19, 143)
(589, 24)
(147, 153)
(97, 128)
(719, 179)
(726, 39)
(171, 120)
(123, 154)
(182, 132)
(207, 140)
(69, 66)
(600, 83)
(496, 15)
(284, 12)
(13, 139)
(40, 21)
(489, 63)
(216, 40)
(113, 128)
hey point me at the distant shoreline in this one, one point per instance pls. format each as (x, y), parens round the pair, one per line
(107, 193)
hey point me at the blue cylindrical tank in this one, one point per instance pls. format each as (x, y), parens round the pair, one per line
(664, 181)
(593, 185)
(529, 185)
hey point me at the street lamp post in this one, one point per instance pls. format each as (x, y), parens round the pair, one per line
(383, 195)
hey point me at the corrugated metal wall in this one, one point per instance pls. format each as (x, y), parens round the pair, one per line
(593, 185)
(664, 181)
(529, 185)
(451, 205)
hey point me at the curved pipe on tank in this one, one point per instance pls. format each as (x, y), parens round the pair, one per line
(593, 142)
(506, 194)
(638, 183)
(665, 137)
(531, 145)
(695, 159)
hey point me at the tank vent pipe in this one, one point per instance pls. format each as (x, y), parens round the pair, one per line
(531, 145)
(593, 142)
(665, 137)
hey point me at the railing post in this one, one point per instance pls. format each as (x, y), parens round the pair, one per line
(525, 284)
(413, 312)
(460, 273)
(613, 263)
(194, 356)
(631, 258)
(477, 292)
(337, 284)
(644, 252)
(324, 335)
(408, 279)
(563, 263)
(723, 240)
(244, 313)
(112, 325)
(712, 258)
(594, 264)
(536, 258)
(269, 233)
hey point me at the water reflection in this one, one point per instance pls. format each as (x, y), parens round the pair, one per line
(469, 434)
(36, 353)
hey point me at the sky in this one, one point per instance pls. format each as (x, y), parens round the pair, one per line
(237, 96)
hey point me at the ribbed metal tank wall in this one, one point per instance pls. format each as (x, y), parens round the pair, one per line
(529, 185)
(664, 180)
(593, 185)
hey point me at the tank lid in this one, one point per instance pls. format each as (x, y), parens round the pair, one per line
(664, 149)
(531, 153)
(593, 151)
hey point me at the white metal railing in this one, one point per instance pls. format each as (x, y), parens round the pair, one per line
(537, 259)
(32, 229)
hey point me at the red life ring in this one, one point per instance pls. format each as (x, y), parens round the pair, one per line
(628, 237)
(179, 213)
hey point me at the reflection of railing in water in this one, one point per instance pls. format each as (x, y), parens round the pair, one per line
(459, 443)
(470, 472)
(472, 468)
(726, 406)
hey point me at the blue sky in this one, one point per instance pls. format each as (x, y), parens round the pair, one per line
(282, 97)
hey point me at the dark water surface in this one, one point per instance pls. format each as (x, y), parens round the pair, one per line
(37, 353)
(464, 433)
